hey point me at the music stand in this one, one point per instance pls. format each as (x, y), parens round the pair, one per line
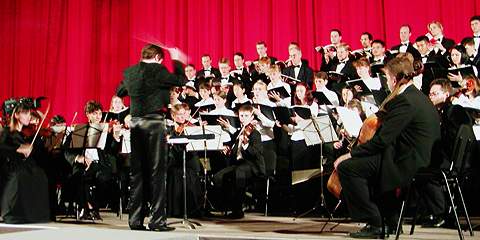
(86, 137)
(185, 140)
(318, 130)
(204, 145)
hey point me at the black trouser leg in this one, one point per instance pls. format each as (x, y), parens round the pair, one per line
(158, 176)
(354, 175)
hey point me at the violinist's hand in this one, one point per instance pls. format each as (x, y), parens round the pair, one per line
(25, 149)
(226, 150)
(84, 160)
(337, 145)
(341, 159)
(254, 122)
(277, 123)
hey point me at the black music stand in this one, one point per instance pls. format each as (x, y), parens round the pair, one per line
(184, 141)
(83, 137)
(204, 145)
(319, 130)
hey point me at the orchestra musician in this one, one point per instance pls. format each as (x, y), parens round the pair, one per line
(24, 194)
(389, 160)
(92, 168)
(175, 169)
(247, 161)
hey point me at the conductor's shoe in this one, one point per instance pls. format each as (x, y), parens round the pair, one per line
(161, 228)
(369, 232)
(138, 228)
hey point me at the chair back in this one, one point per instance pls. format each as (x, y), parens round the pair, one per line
(461, 148)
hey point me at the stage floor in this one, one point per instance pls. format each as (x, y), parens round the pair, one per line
(253, 226)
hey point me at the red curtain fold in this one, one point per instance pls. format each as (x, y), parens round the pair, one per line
(73, 51)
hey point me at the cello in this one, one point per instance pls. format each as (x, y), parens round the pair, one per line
(368, 130)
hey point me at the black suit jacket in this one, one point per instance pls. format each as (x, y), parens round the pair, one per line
(410, 49)
(409, 128)
(148, 86)
(253, 155)
(305, 74)
(214, 71)
(448, 43)
(349, 70)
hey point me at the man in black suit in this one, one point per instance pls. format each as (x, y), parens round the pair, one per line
(247, 158)
(435, 64)
(475, 25)
(405, 45)
(207, 69)
(241, 72)
(342, 65)
(329, 51)
(473, 56)
(442, 43)
(148, 83)
(403, 144)
(298, 69)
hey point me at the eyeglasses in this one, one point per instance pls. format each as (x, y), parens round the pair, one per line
(433, 94)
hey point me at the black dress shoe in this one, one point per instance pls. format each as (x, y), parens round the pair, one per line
(161, 228)
(138, 228)
(236, 215)
(95, 215)
(433, 221)
(369, 231)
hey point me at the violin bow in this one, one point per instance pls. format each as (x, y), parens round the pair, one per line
(40, 126)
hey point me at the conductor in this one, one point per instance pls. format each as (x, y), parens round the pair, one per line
(147, 83)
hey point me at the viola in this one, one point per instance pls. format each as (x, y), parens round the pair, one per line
(368, 130)
(31, 129)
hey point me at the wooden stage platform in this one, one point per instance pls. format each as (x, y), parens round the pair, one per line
(253, 226)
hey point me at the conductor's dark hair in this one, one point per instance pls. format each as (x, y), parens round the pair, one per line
(150, 51)
(92, 106)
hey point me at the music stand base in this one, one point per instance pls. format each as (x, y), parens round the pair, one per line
(187, 223)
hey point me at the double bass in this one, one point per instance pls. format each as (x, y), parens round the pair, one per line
(368, 130)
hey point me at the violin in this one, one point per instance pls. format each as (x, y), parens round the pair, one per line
(30, 130)
(181, 127)
(245, 134)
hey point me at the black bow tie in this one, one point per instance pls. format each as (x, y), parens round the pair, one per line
(476, 36)
(405, 44)
(296, 66)
(342, 62)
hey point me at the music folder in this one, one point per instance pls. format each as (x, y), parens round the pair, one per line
(302, 111)
(321, 98)
(266, 110)
(283, 114)
(464, 71)
(376, 69)
(280, 91)
(211, 119)
(336, 77)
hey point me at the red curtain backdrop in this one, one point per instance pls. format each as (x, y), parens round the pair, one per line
(75, 50)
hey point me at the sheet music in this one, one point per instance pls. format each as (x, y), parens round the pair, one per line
(351, 120)
(103, 136)
(92, 154)
(126, 144)
(215, 144)
(476, 131)
(326, 131)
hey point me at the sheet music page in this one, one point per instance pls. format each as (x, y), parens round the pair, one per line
(351, 120)
(476, 131)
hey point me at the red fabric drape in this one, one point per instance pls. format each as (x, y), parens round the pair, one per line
(73, 51)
